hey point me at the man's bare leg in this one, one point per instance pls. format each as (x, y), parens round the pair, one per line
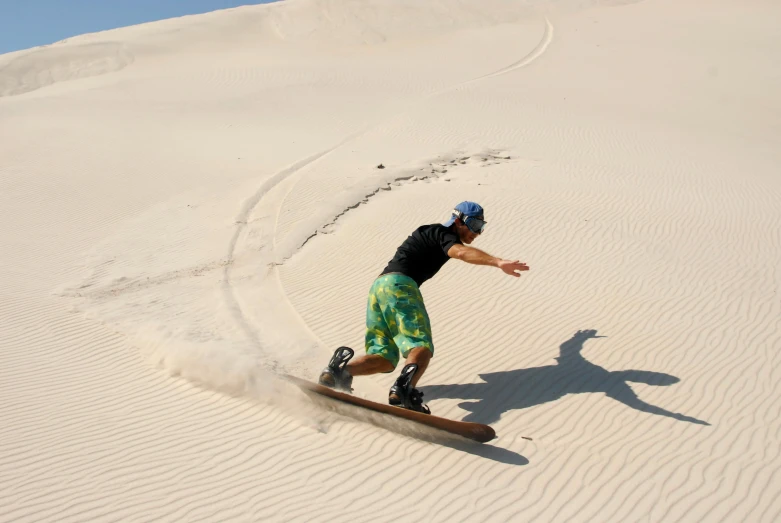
(369, 364)
(421, 356)
(403, 392)
(374, 363)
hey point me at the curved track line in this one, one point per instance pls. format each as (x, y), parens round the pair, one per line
(274, 180)
(530, 57)
(539, 50)
(241, 220)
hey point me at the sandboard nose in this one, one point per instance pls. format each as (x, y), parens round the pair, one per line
(483, 433)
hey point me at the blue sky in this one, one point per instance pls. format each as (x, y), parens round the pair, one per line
(28, 23)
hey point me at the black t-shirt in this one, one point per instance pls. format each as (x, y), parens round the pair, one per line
(423, 253)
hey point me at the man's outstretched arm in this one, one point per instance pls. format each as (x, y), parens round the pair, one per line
(478, 257)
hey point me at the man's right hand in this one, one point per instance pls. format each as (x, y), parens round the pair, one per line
(512, 267)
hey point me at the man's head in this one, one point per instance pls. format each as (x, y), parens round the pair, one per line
(467, 220)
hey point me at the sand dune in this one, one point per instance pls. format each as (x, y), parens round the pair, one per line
(47, 66)
(193, 207)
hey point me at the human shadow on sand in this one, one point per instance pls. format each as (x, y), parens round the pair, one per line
(523, 388)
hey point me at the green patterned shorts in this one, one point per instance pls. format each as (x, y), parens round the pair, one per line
(396, 318)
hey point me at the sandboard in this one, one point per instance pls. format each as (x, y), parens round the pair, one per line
(474, 431)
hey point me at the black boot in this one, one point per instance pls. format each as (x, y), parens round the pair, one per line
(336, 375)
(402, 394)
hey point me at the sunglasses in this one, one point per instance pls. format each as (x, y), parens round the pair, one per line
(476, 225)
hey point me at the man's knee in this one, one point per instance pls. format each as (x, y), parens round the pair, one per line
(386, 366)
(420, 354)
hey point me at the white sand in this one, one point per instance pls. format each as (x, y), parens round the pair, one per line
(192, 206)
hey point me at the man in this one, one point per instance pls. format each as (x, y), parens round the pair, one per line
(396, 319)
